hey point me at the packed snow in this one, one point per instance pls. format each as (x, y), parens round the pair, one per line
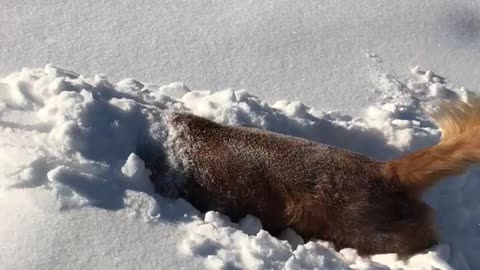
(75, 195)
(312, 51)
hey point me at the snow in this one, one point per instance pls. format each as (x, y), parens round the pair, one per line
(74, 193)
(312, 51)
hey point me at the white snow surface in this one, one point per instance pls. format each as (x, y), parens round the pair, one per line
(74, 195)
(281, 49)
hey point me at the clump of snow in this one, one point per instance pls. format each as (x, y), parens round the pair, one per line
(250, 225)
(136, 173)
(75, 191)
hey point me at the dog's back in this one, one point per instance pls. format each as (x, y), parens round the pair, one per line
(320, 191)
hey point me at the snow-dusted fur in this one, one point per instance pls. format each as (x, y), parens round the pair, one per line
(319, 190)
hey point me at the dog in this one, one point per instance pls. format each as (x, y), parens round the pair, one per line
(320, 191)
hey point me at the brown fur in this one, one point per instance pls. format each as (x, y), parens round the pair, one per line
(320, 191)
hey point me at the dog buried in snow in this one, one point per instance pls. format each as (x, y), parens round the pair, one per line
(320, 191)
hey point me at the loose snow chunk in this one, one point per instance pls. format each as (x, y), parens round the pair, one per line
(129, 85)
(250, 225)
(292, 109)
(315, 256)
(134, 166)
(437, 90)
(74, 189)
(390, 107)
(136, 173)
(142, 205)
(402, 123)
(292, 237)
(223, 97)
(428, 75)
(415, 70)
(218, 220)
(175, 89)
(430, 259)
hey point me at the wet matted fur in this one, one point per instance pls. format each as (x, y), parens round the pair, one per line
(320, 191)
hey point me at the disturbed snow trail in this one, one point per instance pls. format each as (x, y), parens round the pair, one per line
(70, 178)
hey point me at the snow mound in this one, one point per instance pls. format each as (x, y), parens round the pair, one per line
(76, 194)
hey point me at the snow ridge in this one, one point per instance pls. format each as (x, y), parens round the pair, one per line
(72, 143)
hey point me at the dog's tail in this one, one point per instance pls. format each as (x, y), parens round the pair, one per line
(458, 148)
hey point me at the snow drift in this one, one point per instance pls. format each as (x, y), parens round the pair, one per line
(75, 194)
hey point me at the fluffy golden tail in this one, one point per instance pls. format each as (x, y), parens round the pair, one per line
(458, 148)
